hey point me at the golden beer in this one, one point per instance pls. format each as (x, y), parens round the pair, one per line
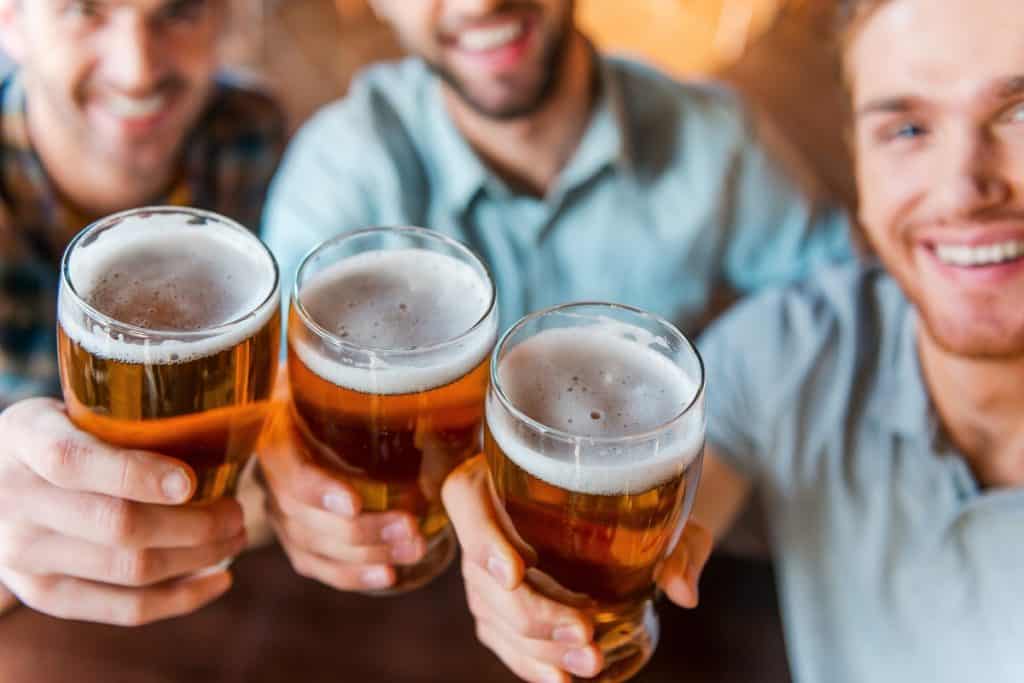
(594, 438)
(388, 340)
(168, 338)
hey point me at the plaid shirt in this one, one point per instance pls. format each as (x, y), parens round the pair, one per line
(228, 161)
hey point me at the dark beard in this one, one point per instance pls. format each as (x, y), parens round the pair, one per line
(551, 62)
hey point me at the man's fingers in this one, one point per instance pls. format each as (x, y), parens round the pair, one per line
(115, 522)
(367, 528)
(69, 598)
(584, 661)
(290, 475)
(524, 611)
(530, 661)
(39, 434)
(680, 576)
(467, 499)
(346, 577)
(40, 552)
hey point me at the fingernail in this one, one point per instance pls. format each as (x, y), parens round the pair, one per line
(570, 635)
(579, 662)
(396, 531)
(500, 570)
(405, 553)
(376, 577)
(175, 486)
(339, 504)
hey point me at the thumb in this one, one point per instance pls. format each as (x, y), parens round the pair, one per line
(681, 574)
(470, 507)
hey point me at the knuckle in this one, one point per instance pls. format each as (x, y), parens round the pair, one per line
(63, 459)
(117, 520)
(35, 591)
(134, 567)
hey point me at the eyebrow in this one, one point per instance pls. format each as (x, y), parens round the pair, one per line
(1003, 89)
(887, 105)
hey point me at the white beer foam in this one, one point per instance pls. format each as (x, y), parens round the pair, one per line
(401, 299)
(162, 272)
(600, 381)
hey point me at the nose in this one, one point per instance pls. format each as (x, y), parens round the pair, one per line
(131, 59)
(976, 178)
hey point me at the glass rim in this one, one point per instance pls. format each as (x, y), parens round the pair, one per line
(499, 391)
(329, 337)
(155, 332)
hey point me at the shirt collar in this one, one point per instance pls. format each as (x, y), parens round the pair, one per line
(903, 405)
(605, 143)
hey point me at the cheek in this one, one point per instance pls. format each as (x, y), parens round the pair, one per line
(889, 186)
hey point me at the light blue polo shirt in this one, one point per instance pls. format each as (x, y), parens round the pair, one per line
(893, 564)
(667, 198)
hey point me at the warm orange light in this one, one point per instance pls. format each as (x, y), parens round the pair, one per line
(685, 37)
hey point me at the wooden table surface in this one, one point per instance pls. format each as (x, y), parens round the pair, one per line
(277, 627)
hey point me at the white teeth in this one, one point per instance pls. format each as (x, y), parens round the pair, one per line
(964, 256)
(491, 38)
(132, 107)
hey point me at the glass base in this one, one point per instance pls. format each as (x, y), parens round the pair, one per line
(440, 554)
(627, 639)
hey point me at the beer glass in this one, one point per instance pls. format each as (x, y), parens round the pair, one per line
(389, 335)
(594, 441)
(168, 337)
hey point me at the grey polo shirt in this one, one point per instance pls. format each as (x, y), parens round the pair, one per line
(893, 565)
(668, 198)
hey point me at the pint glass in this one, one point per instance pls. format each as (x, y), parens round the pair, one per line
(594, 442)
(389, 335)
(168, 338)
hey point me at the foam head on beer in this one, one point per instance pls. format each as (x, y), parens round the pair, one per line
(602, 383)
(400, 300)
(170, 273)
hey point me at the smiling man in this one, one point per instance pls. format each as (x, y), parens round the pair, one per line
(878, 408)
(114, 104)
(575, 176)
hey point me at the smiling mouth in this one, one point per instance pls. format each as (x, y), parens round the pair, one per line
(126, 107)
(492, 37)
(963, 256)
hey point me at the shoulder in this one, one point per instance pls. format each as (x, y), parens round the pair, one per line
(650, 93)
(811, 336)
(381, 99)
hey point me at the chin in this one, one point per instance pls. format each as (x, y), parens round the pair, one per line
(976, 339)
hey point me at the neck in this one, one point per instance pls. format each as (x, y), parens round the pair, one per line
(530, 152)
(980, 403)
(104, 188)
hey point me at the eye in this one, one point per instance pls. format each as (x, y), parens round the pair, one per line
(1014, 114)
(84, 8)
(902, 131)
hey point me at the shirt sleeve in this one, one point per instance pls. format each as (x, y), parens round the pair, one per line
(733, 417)
(778, 234)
